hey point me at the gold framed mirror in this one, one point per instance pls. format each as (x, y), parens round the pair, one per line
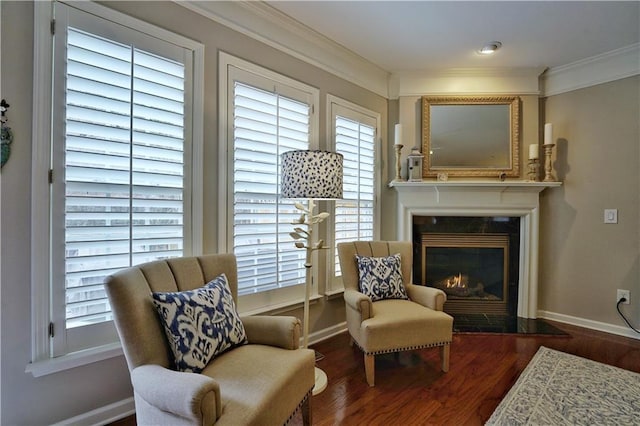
(469, 136)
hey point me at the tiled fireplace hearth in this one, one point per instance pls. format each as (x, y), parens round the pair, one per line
(519, 200)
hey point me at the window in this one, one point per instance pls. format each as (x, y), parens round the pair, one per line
(122, 176)
(267, 115)
(122, 162)
(354, 134)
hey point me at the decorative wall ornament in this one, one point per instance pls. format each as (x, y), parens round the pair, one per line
(5, 133)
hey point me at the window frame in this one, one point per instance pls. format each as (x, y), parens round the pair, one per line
(232, 68)
(45, 357)
(338, 106)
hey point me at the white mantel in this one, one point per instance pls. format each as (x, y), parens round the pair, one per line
(482, 198)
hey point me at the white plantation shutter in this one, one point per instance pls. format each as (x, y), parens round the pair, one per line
(122, 166)
(354, 213)
(265, 124)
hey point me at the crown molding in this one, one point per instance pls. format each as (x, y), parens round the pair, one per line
(266, 24)
(613, 65)
(466, 81)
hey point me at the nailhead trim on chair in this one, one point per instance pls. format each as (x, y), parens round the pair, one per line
(410, 348)
(298, 407)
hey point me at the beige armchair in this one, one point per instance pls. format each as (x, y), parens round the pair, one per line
(392, 325)
(264, 382)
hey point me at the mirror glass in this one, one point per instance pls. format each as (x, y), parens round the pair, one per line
(464, 136)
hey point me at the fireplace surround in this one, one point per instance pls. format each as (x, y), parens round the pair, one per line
(476, 198)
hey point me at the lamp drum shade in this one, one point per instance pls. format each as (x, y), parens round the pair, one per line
(311, 174)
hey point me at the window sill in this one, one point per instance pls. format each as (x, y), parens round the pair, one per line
(334, 294)
(75, 359)
(281, 307)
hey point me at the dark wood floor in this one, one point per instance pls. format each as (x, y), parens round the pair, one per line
(411, 390)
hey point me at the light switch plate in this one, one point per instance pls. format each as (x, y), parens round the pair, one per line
(610, 215)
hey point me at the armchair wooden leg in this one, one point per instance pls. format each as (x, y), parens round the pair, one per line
(370, 368)
(306, 412)
(444, 356)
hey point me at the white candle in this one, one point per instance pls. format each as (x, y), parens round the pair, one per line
(398, 135)
(533, 151)
(548, 134)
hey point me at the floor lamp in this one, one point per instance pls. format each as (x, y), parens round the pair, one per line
(310, 175)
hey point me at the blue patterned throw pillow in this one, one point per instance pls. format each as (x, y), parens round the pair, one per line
(381, 277)
(200, 323)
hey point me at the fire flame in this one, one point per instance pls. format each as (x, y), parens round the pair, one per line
(456, 281)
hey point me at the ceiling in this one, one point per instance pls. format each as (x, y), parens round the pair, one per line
(418, 35)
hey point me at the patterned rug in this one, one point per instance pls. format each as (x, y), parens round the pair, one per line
(562, 389)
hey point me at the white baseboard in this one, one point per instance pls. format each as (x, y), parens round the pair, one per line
(326, 333)
(103, 415)
(590, 324)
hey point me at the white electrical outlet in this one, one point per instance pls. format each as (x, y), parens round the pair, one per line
(623, 293)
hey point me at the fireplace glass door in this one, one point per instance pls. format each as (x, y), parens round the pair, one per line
(472, 269)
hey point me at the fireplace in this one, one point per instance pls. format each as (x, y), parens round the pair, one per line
(471, 269)
(482, 199)
(474, 260)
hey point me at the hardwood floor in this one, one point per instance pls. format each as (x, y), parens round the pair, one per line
(411, 390)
